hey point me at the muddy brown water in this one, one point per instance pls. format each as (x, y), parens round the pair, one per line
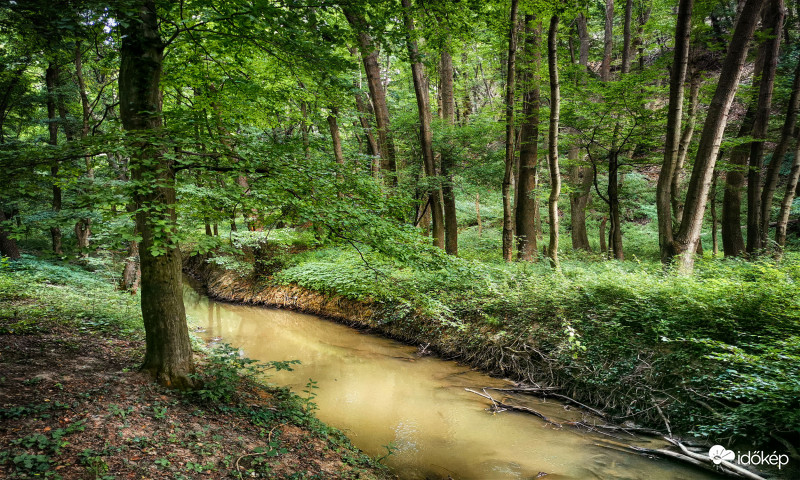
(381, 393)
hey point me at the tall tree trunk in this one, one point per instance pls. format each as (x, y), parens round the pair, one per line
(771, 23)
(732, 239)
(771, 180)
(685, 242)
(8, 246)
(615, 231)
(51, 82)
(683, 148)
(425, 134)
(602, 235)
(786, 204)
(336, 139)
(369, 56)
(680, 65)
(626, 37)
(508, 213)
(448, 114)
(555, 173)
(581, 177)
(712, 197)
(608, 42)
(529, 148)
(168, 354)
(83, 227)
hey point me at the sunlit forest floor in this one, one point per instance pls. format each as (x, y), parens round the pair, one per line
(72, 404)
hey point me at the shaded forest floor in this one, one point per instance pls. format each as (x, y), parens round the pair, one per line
(73, 405)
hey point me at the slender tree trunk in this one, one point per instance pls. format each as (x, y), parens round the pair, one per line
(626, 37)
(83, 227)
(578, 200)
(615, 232)
(771, 180)
(51, 82)
(8, 246)
(168, 355)
(786, 204)
(555, 173)
(712, 197)
(336, 139)
(732, 238)
(508, 213)
(602, 235)
(771, 23)
(608, 42)
(683, 149)
(369, 56)
(529, 148)
(685, 242)
(583, 37)
(425, 134)
(448, 114)
(680, 65)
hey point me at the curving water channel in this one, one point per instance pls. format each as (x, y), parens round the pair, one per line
(380, 392)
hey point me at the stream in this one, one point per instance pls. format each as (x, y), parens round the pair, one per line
(381, 393)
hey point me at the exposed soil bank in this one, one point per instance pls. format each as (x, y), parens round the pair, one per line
(514, 355)
(525, 354)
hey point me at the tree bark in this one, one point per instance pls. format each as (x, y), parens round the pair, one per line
(555, 174)
(448, 114)
(683, 148)
(771, 180)
(425, 134)
(712, 197)
(626, 37)
(680, 65)
(83, 227)
(508, 213)
(369, 56)
(771, 23)
(581, 177)
(51, 82)
(608, 42)
(168, 354)
(615, 230)
(527, 182)
(8, 246)
(685, 242)
(786, 204)
(336, 139)
(732, 239)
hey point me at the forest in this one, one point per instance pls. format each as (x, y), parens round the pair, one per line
(592, 197)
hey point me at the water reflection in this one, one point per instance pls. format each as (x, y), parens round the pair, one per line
(382, 394)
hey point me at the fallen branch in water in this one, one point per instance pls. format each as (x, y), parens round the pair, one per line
(548, 392)
(498, 406)
(684, 456)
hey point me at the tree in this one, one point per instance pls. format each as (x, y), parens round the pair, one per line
(555, 173)
(168, 355)
(685, 242)
(772, 20)
(508, 212)
(529, 140)
(680, 65)
(425, 134)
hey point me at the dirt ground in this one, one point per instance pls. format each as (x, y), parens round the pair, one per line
(73, 406)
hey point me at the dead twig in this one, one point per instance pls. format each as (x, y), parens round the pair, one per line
(269, 449)
(547, 392)
(500, 407)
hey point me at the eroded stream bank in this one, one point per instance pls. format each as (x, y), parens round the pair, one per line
(381, 393)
